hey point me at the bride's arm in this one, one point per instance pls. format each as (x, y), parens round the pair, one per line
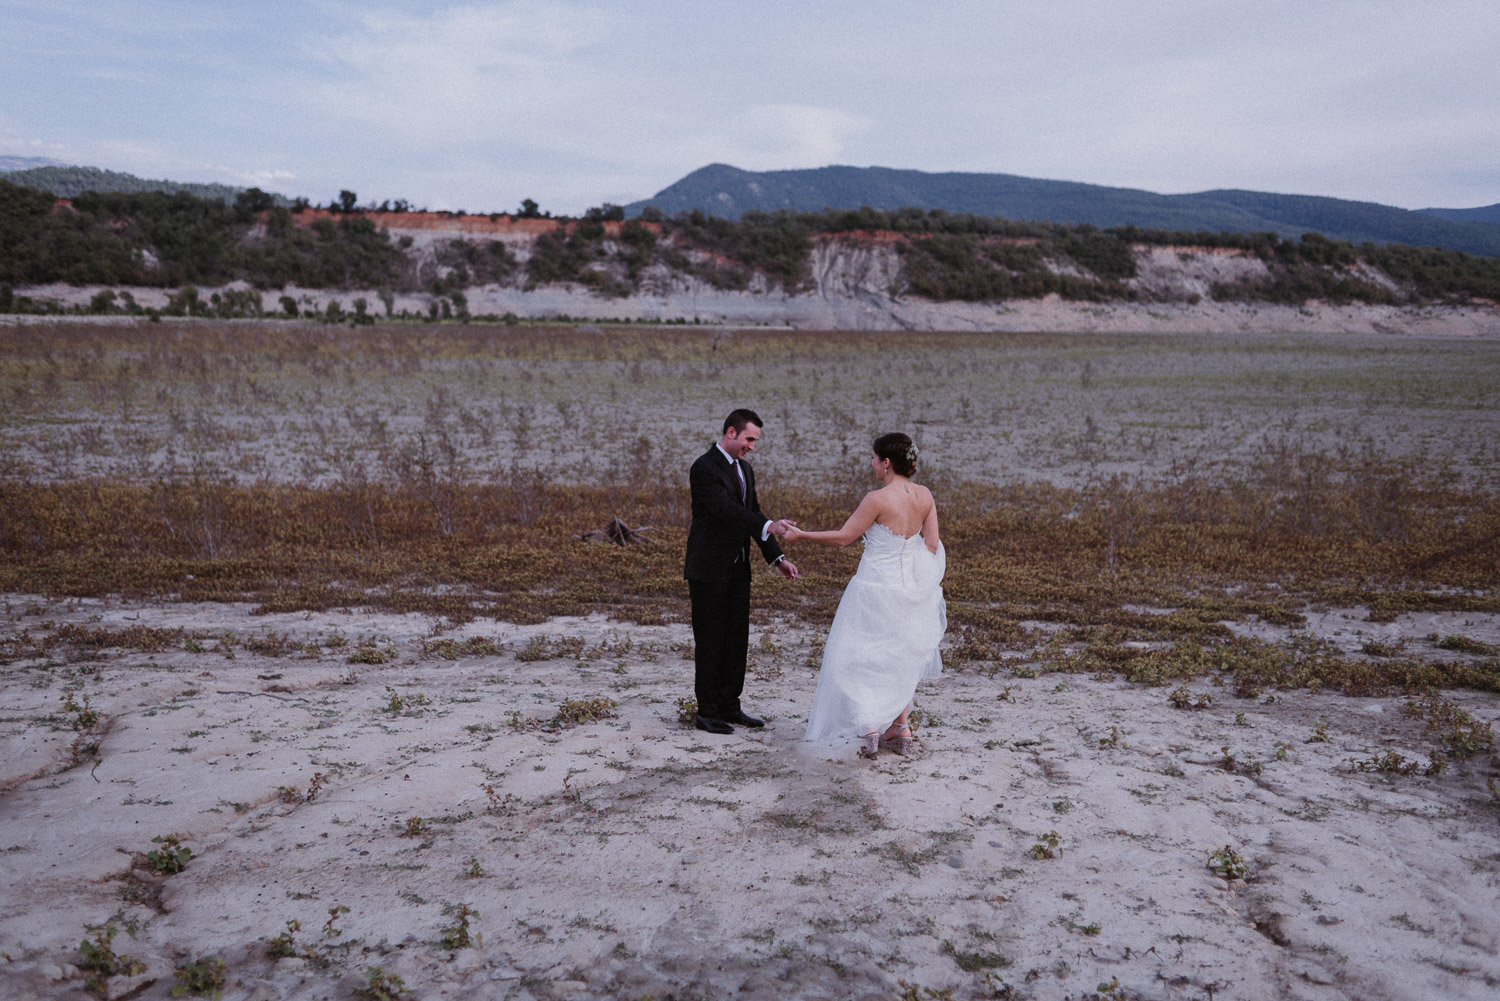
(862, 518)
(930, 528)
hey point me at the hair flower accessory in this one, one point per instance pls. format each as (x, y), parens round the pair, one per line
(912, 453)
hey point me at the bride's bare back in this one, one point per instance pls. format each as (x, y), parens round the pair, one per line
(906, 508)
(902, 506)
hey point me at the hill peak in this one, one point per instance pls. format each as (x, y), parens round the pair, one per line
(722, 189)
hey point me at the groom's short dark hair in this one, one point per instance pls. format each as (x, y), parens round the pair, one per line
(737, 419)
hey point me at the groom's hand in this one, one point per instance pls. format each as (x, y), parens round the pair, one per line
(788, 569)
(780, 527)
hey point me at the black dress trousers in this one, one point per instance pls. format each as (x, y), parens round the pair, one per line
(721, 641)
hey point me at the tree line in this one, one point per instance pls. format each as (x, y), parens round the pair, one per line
(180, 240)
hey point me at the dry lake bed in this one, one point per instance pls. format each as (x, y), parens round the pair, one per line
(382, 804)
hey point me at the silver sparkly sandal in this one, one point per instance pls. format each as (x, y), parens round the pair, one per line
(900, 745)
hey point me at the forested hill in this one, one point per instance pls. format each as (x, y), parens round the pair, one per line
(726, 191)
(69, 182)
(1485, 213)
(9, 163)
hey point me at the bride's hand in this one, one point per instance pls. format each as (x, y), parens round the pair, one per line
(792, 533)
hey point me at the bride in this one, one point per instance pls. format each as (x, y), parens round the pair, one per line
(885, 635)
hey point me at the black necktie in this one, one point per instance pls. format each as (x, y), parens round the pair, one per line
(740, 476)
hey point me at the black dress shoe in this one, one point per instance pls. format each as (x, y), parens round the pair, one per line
(743, 720)
(714, 725)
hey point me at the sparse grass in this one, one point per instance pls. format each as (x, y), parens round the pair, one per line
(98, 958)
(975, 961)
(1393, 762)
(334, 913)
(381, 986)
(1090, 930)
(83, 717)
(543, 647)
(318, 469)
(576, 712)
(403, 705)
(367, 653)
(283, 944)
(87, 541)
(1184, 698)
(1046, 847)
(1465, 645)
(1458, 734)
(1115, 740)
(474, 646)
(1228, 863)
(911, 861)
(203, 977)
(172, 857)
(498, 803)
(457, 935)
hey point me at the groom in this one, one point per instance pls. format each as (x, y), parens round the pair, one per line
(726, 519)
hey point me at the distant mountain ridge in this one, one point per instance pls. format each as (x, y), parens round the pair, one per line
(1487, 213)
(69, 182)
(10, 163)
(729, 192)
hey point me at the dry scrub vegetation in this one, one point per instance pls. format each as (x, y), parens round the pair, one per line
(449, 471)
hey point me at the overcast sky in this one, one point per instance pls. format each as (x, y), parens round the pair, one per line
(573, 104)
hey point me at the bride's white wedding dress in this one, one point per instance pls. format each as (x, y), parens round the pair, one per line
(884, 638)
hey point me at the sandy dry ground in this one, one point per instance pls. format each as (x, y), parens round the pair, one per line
(863, 309)
(994, 408)
(634, 857)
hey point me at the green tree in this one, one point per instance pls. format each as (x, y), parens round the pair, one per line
(347, 200)
(251, 202)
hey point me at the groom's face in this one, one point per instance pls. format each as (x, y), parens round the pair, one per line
(739, 443)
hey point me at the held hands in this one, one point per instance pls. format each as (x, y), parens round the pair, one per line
(782, 527)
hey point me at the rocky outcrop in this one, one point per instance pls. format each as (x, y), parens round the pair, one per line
(854, 281)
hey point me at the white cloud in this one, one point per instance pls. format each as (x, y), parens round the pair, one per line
(503, 88)
(787, 136)
(466, 74)
(1315, 100)
(249, 178)
(480, 102)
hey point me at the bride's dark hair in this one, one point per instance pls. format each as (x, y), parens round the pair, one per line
(898, 448)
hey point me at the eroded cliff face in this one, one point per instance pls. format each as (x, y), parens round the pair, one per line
(848, 275)
(450, 224)
(853, 281)
(1190, 273)
(855, 267)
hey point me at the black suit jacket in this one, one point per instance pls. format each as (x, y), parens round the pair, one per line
(723, 525)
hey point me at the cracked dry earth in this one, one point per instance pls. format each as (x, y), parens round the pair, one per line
(631, 856)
